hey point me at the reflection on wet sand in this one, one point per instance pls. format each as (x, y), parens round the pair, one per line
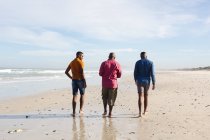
(78, 133)
(108, 130)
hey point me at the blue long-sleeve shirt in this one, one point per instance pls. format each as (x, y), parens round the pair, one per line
(144, 71)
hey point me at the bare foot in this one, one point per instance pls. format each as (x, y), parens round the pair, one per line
(81, 112)
(104, 113)
(145, 112)
(139, 115)
(110, 115)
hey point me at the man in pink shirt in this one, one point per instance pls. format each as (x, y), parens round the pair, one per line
(110, 70)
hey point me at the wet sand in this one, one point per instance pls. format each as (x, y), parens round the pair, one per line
(179, 108)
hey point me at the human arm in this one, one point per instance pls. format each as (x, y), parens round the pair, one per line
(101, 70)
(135, 73)
(152, 74)
(83, 74)
(119, 72)
(67, 71)
(84, 80)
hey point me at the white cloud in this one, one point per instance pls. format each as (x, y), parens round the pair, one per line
(102, 19)
(108, 50)
(208, 21)
(124, 50)
(188, 50)
(39, 38)
(46, 53)
(195, 52)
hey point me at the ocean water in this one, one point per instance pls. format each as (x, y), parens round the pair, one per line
(22, 82)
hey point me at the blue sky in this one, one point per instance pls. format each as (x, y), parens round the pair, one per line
(47, 34)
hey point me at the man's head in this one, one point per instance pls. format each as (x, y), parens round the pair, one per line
(143, 55)
(79, 55)
(112, 55)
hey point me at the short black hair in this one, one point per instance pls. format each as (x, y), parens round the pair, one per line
(111, 55)
(143, 55)
(78, 53)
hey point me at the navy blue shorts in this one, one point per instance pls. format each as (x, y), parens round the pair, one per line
(78, 85)
(143, 88)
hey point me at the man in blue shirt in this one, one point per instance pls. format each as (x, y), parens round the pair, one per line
(143, 73)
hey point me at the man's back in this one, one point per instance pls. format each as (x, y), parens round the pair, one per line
(143, 71)
(77, 67)
(110, 70)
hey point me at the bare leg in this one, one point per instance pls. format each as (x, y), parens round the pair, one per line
(74, 103)
(145, 102)
(139, 103)
(110, 110)
(105, 106)
(82, 99)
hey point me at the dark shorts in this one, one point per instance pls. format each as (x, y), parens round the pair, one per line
(109, 95)
(78, 85)
(142, 88)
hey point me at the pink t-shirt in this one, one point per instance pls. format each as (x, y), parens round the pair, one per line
(110, 70)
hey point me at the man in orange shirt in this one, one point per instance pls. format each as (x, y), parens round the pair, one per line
(78, 80)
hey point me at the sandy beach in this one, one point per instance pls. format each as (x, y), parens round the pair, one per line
(179, 108)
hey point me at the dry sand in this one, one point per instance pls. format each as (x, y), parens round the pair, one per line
(179, 108)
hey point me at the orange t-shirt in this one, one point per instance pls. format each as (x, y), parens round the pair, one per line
(77, 67)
